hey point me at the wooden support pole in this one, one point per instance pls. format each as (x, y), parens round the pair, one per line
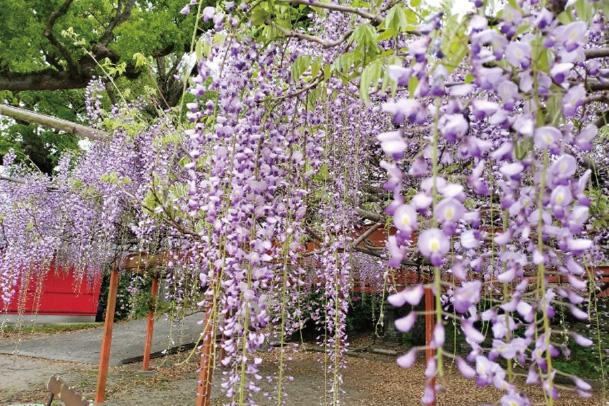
(429, 326)
(206, 371)
(104, 356)
(154, 290)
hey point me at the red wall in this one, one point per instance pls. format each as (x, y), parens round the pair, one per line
(61, 295)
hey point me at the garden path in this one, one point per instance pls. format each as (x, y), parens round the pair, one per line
(127, 341)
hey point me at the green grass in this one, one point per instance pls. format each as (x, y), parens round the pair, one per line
(12, 329)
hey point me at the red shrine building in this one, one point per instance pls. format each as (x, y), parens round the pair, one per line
(60, 297)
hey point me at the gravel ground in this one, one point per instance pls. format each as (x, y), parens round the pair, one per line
(368, 380)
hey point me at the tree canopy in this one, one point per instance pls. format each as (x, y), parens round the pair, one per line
(51, 50)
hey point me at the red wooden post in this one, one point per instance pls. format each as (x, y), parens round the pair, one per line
(154, 289)
(104, 356)
(205, 371)
(429, 326)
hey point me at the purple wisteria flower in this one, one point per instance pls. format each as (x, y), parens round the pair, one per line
(573, 99)
(433, 244)
(399, 74)
(572, 35)
(392, 144)
(560, 71)
(208, 13)
(404, 324)
(466, 296)
(524, 85)
(405, 218)
(518, 54)
(405, 109)
(547, 137)
(449, 211)
(407, 360)
(411, 296)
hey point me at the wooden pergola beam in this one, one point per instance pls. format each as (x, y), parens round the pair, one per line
(140, 262)
(44, 120)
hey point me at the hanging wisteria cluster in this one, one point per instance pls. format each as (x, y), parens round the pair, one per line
(510, 222)
(88, 212)
(464, 141)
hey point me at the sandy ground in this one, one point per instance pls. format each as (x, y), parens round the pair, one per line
(369, 379)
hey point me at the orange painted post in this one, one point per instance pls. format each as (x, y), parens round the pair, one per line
(154, 290)
(205, 371)
(429, 326)
(104, 356)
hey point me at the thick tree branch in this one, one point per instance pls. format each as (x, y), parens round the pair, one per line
(405, 262)
(21, 182)
(370, 215)
(597, 86)
(48, 33)
(52, 60)
(603, 98)
(123, 12)
(338, 7)
(602, 120)
(48, 79)
(11, 179)
(597, 53)
(311, 38)
(79, 73)
(52, 122)
(295, 93)
(366, 234)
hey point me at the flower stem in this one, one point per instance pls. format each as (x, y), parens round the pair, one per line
(541, 279)
(436, 270)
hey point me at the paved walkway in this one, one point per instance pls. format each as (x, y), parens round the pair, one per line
(127, 341)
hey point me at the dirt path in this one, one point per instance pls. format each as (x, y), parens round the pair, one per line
(369, 380)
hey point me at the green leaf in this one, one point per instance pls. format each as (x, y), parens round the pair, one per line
(140, 59)
(315, 66)
(313, 97)
(565, 18)
(346, 61)
(173, 138)
(178, 190)
(554, 109)
(149, 201)
(365, 38)
(300, 65)
(541, 56)
(584, 10)
(202, 48)
(523, 147)
(454, 44)
(413, 83)
(327, 71)
(110, 178)
(322, 174)
(370, 77)
(411, 18)
(259, 16)
(395, 21)
(385, 35)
